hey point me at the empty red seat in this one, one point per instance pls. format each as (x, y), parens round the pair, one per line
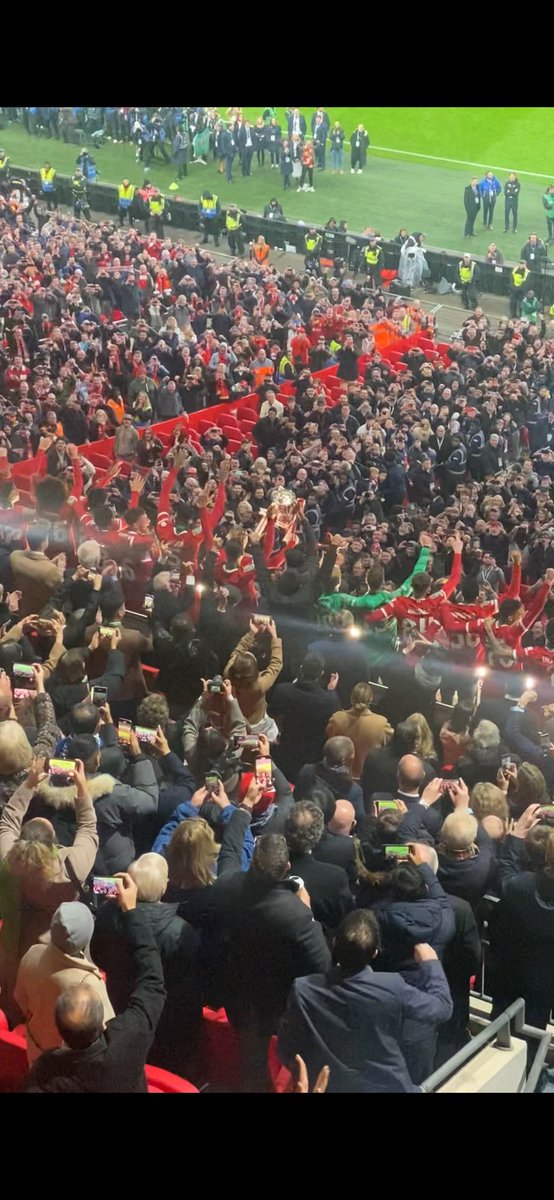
(280, 1076)
(166, 1081)
(13, 1060)
(221, 1049)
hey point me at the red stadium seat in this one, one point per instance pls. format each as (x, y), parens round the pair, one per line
(166, 1081)
(221, 1049)
(13, 1060)
(280, 1076)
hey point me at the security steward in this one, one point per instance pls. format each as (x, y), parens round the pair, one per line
(233, 225)
(156, 208)
(312, 251)
(79, 194)
(467, 278)
(125, 198)
(47, 176)
(209, 211)
(373, 254)
(517, 289)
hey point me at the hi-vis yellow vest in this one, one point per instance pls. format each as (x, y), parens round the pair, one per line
(232, 222)
(466, 273)
(209, 207)
(312, 243)
(372, 256)
(157, 206)
(126, 195)
(519, 277)
(47, 178)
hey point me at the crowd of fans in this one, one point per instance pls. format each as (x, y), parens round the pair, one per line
(190, 635)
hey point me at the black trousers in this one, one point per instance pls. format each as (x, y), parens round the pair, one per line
(246, 161)
(469, 295)
(125, 212)
(516, 296)
(235, 241)
(510, 207)
(470, 222)
(550, 227)
(50, 198)
(307, 174)
(488, 209)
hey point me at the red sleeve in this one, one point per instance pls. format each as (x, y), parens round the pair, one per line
(77, 489)
(207, 529)
(380, 614)
(215, 514)
(269, 540)
(535, 608)
(134, 499)
(455, 623)
(165, 527)
(454, 577)
(512, 592)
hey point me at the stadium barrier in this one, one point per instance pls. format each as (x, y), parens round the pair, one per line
(289, 236)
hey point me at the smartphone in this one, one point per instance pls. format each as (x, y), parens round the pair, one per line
(144, 734)
(148, 604)
(264, 773)
(261, 620)
(247, 741)
(106, 631)
(106, 886)
(548, 809)
(61, 768)
(212, 783)
(505, 762)
(190, 580)
(23, 671)
(124, 730)
(99, 695)
(215, 687)
(24, 693)
(397, 851)
(382, 806)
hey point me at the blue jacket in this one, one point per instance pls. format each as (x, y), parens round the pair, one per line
(354, 1024)
(486, 185)
(183, 786)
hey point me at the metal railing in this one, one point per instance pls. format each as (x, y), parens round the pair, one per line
(500, 1029)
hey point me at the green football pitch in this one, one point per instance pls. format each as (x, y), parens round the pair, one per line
(419, 162)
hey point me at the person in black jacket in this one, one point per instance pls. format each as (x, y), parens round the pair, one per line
(472, 204)
(359, 143)
(467, 858)
(335, 772)
(177, 1036)
(327, 886)
(304, 707)
(98, 1060)
(272, 939)
(512, 189)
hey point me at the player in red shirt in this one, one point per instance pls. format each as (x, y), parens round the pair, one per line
(200, 528)
(421, 608)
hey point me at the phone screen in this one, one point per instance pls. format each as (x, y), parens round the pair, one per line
(383, 805)
(61, 768)
(23, 671)
(144, 734)
(105, 631)
(212, 783)
(99, 695)
(148, 604)
(264, 773)
(124, 730)
(106, 886)
(397, 851)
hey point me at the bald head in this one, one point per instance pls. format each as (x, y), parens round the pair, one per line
(344, 818)
(429, 856)
(459, 831)
(410, 774)
(79, 1016)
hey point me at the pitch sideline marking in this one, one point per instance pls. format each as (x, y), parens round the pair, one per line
(461, 162)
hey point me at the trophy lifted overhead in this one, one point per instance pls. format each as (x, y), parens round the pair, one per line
(285, 509)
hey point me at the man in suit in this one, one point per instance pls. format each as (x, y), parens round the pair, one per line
(296, 123)
(35, 576)
(335, 771)
(441, 443)
(327, 886)
(353, 1018)
(410, 780)
(272, 938)
(246, 148)
(472, 204)
(336, 845)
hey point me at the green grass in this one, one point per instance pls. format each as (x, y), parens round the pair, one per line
(393, 191)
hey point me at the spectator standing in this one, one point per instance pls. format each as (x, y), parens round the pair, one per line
(307, 167)
(512, 188)
(489, 188)
(286, 164)
(273, 139)
(336, 137)
(472, 204)
(517, 290)
(548, 205)
(359, 143)
(47, 176)
(467, 276)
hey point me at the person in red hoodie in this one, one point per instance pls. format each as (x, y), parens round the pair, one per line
(300, 347)
(200, 527)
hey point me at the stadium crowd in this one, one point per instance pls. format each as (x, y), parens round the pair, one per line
(191, 628)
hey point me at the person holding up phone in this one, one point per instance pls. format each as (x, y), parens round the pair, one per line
(38, 874)
(250, 685)
(107, 1058)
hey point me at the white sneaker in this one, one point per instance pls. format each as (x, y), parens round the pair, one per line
(311, 189)
(359, 170)
(352, 171)
(299, 189)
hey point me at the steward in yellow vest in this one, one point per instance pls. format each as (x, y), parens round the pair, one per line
(209, 212)
(233, 225)
(467, 276)
(47, 176)
(373, 255)
(156, 207)
(125, 197)
(517, 290)
(312, 251)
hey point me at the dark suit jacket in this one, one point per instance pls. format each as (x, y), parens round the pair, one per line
(472, 200)
(271, 939)
(354, 1024)
(302, 125)
(340, 851)
(327, 887)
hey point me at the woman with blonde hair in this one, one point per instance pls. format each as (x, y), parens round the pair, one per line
(488, 800)
(424, 744)
(529, 788)
(36, 875)
(260, 251)
(366, 729)
(249, 683)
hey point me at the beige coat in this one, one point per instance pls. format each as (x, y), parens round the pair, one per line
(40, 898)
(368, 731)
(36, 577)
(251, 700)
(44, 973)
